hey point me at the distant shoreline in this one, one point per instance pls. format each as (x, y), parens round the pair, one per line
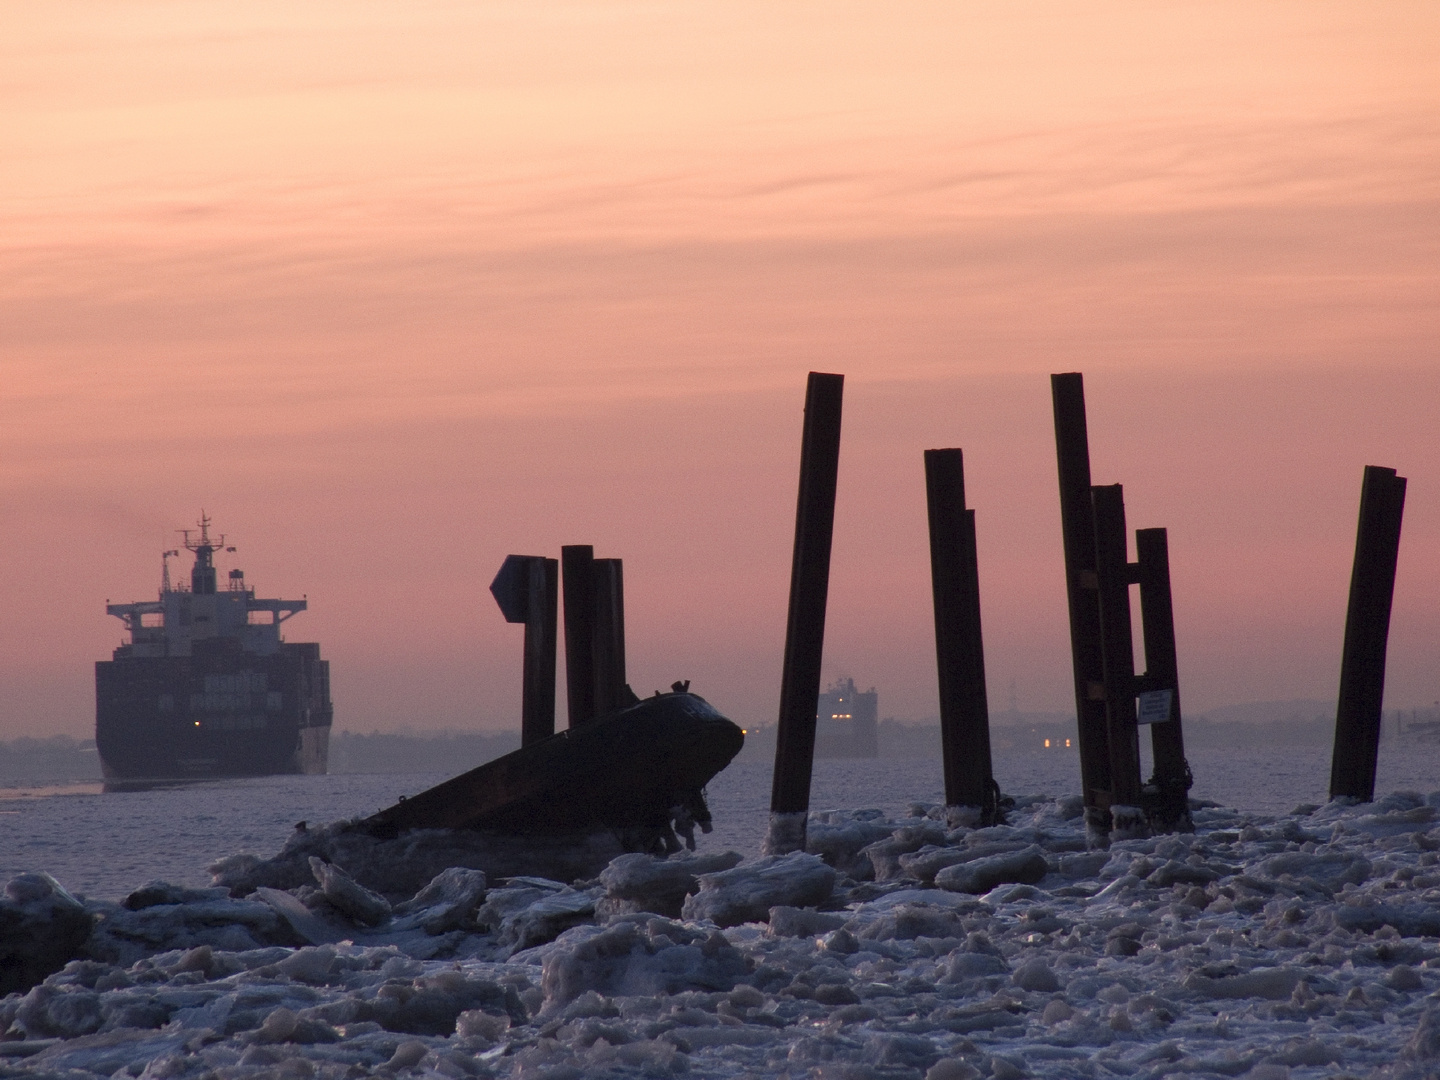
(63, 759)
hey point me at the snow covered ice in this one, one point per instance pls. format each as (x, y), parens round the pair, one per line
(1298, 946)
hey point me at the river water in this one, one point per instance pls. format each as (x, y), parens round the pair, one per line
(105, 844)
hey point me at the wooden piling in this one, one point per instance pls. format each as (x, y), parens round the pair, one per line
(959, 651)
(1367, 629)
(1169, 805)
(608, 629)
(577, 568)
(1113, 578)
(805, 624)
(526, 589)
(1077, 523)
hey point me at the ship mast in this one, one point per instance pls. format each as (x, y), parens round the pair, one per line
(202, 574)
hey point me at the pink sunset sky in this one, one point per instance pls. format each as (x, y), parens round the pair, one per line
(393, 290)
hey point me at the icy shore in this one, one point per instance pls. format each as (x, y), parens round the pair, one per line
(1299, 946)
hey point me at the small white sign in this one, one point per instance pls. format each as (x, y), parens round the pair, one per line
(1155, 707)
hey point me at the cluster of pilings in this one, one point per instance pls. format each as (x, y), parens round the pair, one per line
(527, 590)
(1112, 700)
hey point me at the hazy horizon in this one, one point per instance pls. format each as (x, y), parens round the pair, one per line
(392, 293)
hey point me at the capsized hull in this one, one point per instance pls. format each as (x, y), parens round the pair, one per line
(630, 769)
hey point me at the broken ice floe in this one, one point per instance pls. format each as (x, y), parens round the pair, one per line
(1302, 945)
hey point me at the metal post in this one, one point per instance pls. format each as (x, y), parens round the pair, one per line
(959, 650)
(1077, 522)
(526, 589)
(805, 625)
(609, 636)
(577, 567)
(1367, 629)
(1113, 576)
(1171, 779)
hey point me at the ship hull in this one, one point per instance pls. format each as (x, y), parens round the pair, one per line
(630, 769)
(220, 712)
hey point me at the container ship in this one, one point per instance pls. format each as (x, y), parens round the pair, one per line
(206, 687)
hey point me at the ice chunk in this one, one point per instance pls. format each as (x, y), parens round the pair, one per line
(547, 917)
(884, 855)
(631, 957)
(924, 864)
(1036, 975)
(1411, 920)
(308, 926)
(952, 1069)
(1276, 984)
(433, 1004)
(408, 1054)
(449, 902)
(1084, 864)
(155, 893)
(748, 892)
(106, 1053)
(840, 838)
(912, 1051)
(1024, 867)
(905, 922)
(63, 1013)
(347, 896)
(41, 928)
(659, 884)
(398, 866)
(1331, 870)
(788, 921)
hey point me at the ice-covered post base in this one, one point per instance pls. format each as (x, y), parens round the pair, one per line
(963, 817)
(1127, 823)
(1097, 828)
(786, 833)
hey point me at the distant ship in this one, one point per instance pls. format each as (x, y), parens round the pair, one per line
(845, 722)
(206, 687)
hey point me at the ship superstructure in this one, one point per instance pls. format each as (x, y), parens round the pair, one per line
(206, 686)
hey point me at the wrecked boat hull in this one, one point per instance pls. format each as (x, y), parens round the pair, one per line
(643, 768)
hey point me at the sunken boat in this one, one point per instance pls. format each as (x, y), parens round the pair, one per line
(206, 687)
(639, 772)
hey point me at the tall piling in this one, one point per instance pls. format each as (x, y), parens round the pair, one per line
(1077, 524)
(526, 588)
(1113, 579)
(805, 623)
(577, 570)
(608, 629)
(1367, 630)
(1169, 805)
(959, 650)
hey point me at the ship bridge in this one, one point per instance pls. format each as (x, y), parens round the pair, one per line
(172, 624)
